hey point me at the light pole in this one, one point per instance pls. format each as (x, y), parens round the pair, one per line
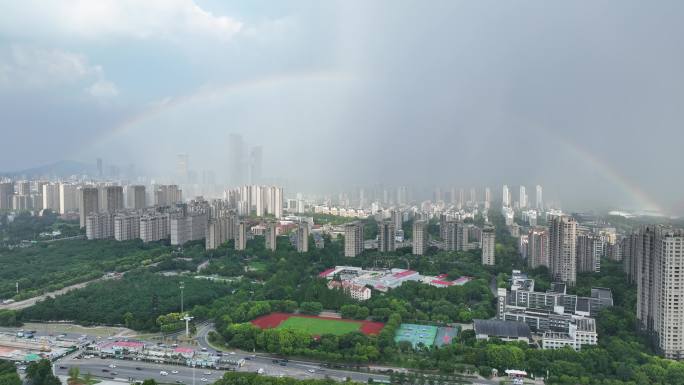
(182, 286)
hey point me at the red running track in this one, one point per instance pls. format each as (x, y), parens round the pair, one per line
(273, 320)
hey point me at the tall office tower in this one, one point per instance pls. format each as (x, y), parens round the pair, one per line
(303, 237)
(51, 197)
(473, 196)
(456, 236)
(23, 187)
(270, 236)
(112, 199)
(562, 248)
(386, 237)
(88, 203)
(506, 196)
(99, 226)
(488, 244)
(154, 227)
(126, 226)
(182, 167)
(397, 217)
(587, 259)
(660, 256)
(255, 164)
(419, 237)
(523, 198)
(461, 198)
(68, 198)
(241, 236)
(135, 197)
(236, 152)
(100, 172)
(259, 200)
(488, 198)
(6, 193)
(353, 239)
(538, 247)
(539, 199)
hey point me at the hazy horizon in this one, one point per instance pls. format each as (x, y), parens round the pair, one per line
(582, 98)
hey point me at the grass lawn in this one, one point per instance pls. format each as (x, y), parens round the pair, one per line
(317, 327)
(257, 265)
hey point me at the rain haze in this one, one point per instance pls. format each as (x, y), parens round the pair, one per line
(584, 98)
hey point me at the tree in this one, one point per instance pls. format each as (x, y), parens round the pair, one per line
(40, 373)
(74, 372)
(149, 381)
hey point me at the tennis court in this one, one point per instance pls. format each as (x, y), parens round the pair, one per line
(416, 334)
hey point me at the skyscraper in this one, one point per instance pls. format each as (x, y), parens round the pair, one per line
(135, 197)
(538, 247)
(419, 237)
(488, 244)
(6, 193)
(303, 237)
(523, 198)
(112, 199)
(88, 203)
(236, 162)
(660, 261)
(100, 172)
(456, 236)
(562, 248)
(539, 199)
(51, 197)
(506, 196)
(488, 197)
(68, 198)
(270, 236)
(255, 164)
(182, 167)
(353, 239)
(241, 236)
(386, 237)
(587, 258)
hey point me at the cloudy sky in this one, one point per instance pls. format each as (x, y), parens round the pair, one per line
(584, 97)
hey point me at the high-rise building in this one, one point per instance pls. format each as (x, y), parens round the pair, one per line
(270, 236)
(386, 237)
(88, 203)
(419, 237)
(100, 172)
(154, 227)
(255, 164)
(68, 198)
(135, 197)
(353, 239)
(21, 202)
(236, 162)
(112, 199)
(660, 311)
(241, 236)
(506, 196)
(488, 245)
(259, 200)
(51, 197)
(167, 195)
(397, 217)
(456, 236)
(126, 226)
(522, 198)
(539, 199)
(303, 237)
(190, 227)
(182, 167)
(587, 258)
(487, 198)
(538, 247)
(23, 187)
(562, 248)
(6, 193)
(99, 226)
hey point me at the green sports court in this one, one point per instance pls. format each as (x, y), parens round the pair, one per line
(416, 334)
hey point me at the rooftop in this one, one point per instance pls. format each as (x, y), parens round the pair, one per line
(498, 328)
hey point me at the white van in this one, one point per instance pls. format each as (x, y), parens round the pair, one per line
(163, 373)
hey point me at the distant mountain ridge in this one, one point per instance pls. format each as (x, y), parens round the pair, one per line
(62, 168)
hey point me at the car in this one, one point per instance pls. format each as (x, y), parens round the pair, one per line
(22, 368)
(174, 372)
(204, 349)
(248, 358)
(311, 371)
(105, 370)
(232, 353)
(62, 367)
(274, 361)
(114, 373)
(179, 382)
(260, 371)
(138, 368)
(112, 366)
(283, 364)
(61, 336)
(207, 373)
(163, 373)
(203, 379)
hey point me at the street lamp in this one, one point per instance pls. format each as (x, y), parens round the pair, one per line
(182, 286)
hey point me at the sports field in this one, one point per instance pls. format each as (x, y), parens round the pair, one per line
(416, 334)
(315, 325)
(320, 326)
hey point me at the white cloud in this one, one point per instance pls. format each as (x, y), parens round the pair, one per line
(38, 68)
(107, 19)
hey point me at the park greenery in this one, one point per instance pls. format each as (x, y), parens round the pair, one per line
(46, 267)
(27, 227)
(233, 378)
(135, 301)
(8, 373)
